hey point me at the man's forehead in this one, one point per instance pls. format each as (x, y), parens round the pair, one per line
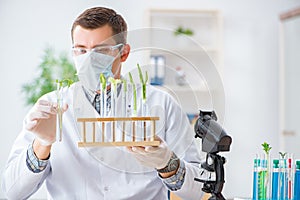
(98, 36)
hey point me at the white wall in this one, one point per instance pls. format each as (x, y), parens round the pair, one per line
(250, 66)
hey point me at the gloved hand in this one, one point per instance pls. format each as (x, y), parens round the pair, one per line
(150, 156)
(41, 121)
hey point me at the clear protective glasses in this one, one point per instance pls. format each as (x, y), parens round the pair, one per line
(105, 49)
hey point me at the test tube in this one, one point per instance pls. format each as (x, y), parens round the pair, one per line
(129, 99)
(255, 178)
(124, 98)
(297, 181)
(262, 186)
(290, 178)
(59, 101)
(275, 178)
(145, 110)
(113, 100)
(103, 104)
(282, 179)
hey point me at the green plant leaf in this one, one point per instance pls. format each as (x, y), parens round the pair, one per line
(181, 31)
(282, 154)
(134, 94)
(103, 81)
(50, 68)
(266, 147)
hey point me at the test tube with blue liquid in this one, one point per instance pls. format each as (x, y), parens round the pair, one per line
(275, 178)
(158, 63)
(282, 179)
(255, 178)
(297, 181)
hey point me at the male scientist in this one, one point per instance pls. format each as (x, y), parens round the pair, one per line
(146, 172)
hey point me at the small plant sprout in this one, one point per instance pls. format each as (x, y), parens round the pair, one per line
(134, 95)
(143, 82)
(103, 81)
(114, 84)
(266, 148)
(282, 154)
(59, 99)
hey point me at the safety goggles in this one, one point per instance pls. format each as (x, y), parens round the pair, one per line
(107, 49)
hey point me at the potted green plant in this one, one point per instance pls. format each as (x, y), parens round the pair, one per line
(182, 36)
(50, 69)
(183, 31)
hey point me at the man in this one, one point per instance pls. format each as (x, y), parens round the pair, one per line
(70, 172)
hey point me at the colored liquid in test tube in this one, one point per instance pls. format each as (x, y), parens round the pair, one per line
(275, 177)
(282, 179)
(297, 181)
(255, 178)
(289, 179)
(262, 187)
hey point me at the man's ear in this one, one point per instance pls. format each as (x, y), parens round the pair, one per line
(125, 52)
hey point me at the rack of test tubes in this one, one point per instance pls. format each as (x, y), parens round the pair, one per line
(114, 123)
(276, 179)
(124, 128)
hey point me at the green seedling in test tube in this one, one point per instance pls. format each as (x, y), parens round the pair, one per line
(59, 99)
(103, 82)
(282, 176)
(143, 82)
(134, 95)
(114, 84)
(264, 178)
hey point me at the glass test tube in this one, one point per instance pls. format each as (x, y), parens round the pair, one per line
(275, 179)
(59, 101)
(124, 99)
(297, 181)
(113, 100)
(129, 100)
(103, 104)
(255, 178)
(290, 181)
(262, 189)
(282, 179)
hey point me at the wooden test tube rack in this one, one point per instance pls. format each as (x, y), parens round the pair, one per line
(145, 141)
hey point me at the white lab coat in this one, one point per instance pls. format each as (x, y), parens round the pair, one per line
(103, 172)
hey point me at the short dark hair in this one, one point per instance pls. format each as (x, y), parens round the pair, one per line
(97, 17)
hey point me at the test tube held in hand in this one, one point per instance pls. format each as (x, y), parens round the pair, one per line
(59, 102)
